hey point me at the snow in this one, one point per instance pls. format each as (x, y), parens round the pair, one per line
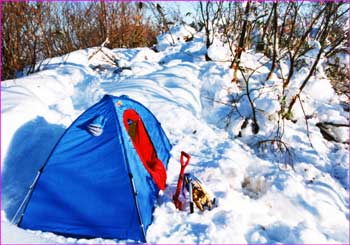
(260, 199)
(217, 51)
(176, 36)
(315, 87)
(12, 235)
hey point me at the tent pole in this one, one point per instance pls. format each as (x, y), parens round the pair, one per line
(17, 218)
(137, 206)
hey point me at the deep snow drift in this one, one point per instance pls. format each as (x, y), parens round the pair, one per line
(261, 199)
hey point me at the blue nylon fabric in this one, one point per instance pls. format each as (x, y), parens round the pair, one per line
(85, 189)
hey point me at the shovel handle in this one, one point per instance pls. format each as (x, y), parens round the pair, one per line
(182, 159)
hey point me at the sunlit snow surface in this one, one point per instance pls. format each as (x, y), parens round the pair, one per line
(260, 200)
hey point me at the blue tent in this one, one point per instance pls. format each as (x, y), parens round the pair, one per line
(103, 176)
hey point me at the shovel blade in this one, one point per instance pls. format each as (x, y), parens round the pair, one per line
(178, 204)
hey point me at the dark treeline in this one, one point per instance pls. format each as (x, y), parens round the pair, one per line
(33, 31)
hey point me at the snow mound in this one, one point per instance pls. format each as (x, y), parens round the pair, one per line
(218, 52)
(177, 35)
(321, 90)
(146, 54)
(102, 58)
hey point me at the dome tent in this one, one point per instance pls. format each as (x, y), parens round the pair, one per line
(103, 176)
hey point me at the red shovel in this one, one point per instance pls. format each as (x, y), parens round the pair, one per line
(177, 202)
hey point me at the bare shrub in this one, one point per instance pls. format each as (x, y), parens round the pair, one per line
(49, 29)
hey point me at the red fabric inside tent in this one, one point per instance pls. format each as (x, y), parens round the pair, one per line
(144, 147)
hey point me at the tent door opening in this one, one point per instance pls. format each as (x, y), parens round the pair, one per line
(144, 147)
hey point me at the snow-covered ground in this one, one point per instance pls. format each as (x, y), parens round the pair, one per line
(261, 200)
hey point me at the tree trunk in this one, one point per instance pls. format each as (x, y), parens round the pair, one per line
(275, 41)
(325, 31)
(237, 58)
(301, 41)
(263, 46)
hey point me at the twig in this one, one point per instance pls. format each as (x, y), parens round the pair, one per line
(229, 115)
(255, 121)
(281, 147)
(306, 121)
